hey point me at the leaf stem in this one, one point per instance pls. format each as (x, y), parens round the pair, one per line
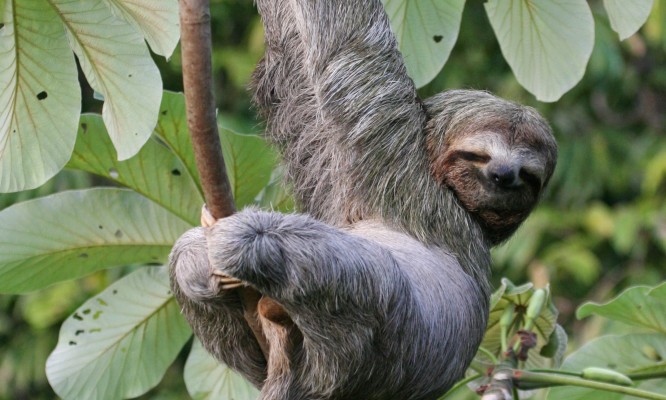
(547, 379)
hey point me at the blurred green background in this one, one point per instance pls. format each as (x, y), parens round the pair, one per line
(600, 228)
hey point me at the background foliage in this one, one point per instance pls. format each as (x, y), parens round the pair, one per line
(600, 228)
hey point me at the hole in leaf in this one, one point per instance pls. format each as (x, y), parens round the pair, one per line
(102, 302)
(86, 311)
(77, 317)
(100, 227)
(164, 112)
(113, 173)
(42, 95)
(79, 332)
(175, 172)
(114, 291)
(97, 315)
(83, 255)
(118, 234)
(72, 343)
(95, 330)
(437, 38)
(84, 127)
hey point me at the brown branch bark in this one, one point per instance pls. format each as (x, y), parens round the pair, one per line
(195, 43)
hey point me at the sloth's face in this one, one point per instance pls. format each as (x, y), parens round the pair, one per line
(497, 178)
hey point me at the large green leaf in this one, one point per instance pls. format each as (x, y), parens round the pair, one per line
(3, 5)
(156, 20)
(636, 353)
(426, 31)
(249, 163)
(547, 43)
(627, 16)
(119, 343)
(40, 98)
(172, 130)
(116, 62)
(71, 234)
(208, 379)
(637, 306)
(155, 171)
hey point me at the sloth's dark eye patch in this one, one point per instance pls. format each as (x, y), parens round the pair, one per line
(530, 178)
(473, 157)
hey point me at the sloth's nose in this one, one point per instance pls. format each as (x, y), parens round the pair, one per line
(503, 176)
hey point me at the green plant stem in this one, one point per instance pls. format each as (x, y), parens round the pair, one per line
(490, 355)
(647, 375)
(548, 379)
(460, 384)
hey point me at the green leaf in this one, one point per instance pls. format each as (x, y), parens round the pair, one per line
(40, 98)
(249, 162)
(636, 306)
(635, 353)
(71, 234)
(156, 20)
(119, 343)
(172, 130)
(627, 16)
(3, 7)
(208, 379)
(117, 64)
(154, 172)
(276, 195)
(547, 43)
(520, 296)
(426, 32)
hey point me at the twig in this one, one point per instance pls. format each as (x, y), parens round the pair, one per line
(195, 42)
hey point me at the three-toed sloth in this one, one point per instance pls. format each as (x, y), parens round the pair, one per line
(381, 286)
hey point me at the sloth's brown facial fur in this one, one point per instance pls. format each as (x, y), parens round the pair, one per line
(497, 163)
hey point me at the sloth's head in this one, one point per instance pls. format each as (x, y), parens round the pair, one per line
(496, 156)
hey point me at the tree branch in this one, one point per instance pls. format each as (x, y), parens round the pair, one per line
(195, 42)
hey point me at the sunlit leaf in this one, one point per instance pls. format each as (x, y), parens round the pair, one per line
(627, 16)
(636, 353)
(116, 62)
(154, 172)
(249, 162)
(547, 43)
(3, 5)
(156, 20)
(119, 343)
(71, 234)
(426, 31)
(40, 98)
(208, 379)
(637, 306)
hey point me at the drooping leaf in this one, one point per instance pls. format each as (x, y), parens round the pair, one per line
(156, 20)
(637, 306)
(154, 172)
(249, 162)
(71, 234)
(119, 343)
(117, 64)
(40, 98)
(546, 43)
(426, 31)
(627, 16)
(208, 379)
(635, 353)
